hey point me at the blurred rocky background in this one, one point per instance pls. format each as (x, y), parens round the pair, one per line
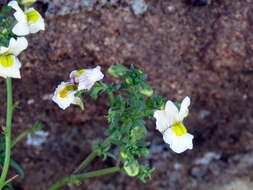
(199, 48)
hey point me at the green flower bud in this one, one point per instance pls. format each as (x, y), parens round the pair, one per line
(162, 107)
(123, 155)
(146, 90)
(4, 31)
(132, 169)
(138, 132)
(117, 70)
(128, 80)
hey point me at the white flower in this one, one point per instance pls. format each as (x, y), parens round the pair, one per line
(169, 123)
(64, 95)
(9, 63)
(86, 78)
(37, 138)
(29, 21)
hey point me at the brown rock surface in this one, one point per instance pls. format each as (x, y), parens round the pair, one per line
(203, 52)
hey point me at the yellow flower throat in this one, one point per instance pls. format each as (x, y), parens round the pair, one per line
(179, 129)
(6, 61)
(64, 92)
(32, 16)
(80, 72)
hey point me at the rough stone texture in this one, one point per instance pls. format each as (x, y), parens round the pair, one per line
(204, 52)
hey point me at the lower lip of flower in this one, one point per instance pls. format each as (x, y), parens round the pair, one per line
(179, 129)
(6, 61)
(64, 92)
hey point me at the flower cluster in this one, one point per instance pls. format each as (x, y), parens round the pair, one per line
(82, 79)
(170, 123)
(28, 22)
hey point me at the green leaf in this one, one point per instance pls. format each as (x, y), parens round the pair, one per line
(8, 187)
(118, 142)
(145, 172)
(19, 170)
(98, 89)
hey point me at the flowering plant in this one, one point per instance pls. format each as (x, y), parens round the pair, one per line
(131, 101)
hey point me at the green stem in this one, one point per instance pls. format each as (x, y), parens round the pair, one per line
(75, 178)
(37, 126)
(86, 162)
(7, 133)
(90, 157)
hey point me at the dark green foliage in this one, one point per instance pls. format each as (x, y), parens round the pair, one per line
(6, 25)
(131, 102)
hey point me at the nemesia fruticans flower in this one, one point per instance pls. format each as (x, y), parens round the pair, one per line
(170, 123)
(9, 63)
(86, 78)
(64, 95)
(29, 21)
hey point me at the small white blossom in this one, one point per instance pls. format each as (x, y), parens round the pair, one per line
(64, 95)
(86, 78)
(9, 63)
(170, 123)
(37, 138)
(29, 21)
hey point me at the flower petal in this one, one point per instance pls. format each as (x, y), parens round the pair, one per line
(172, 112)
(86, 78)
(21, 29)
(12, 70)
(38, 25)
(178, 144)
(17, 46)
(184, 108)
(95, 74)
(19, 14)
(162, 122)
(3, 49)
(64, 102)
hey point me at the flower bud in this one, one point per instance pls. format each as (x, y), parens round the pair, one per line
(128, 80)
(117, 70)
(132, 169)
(146, 90)
(4, 31)
(123, 155)
(138, 132)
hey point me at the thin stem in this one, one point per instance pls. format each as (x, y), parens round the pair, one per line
(90, 158)
(7, 132)
(11, 179)
(37, 126)
(75, 178)
(86, 162)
